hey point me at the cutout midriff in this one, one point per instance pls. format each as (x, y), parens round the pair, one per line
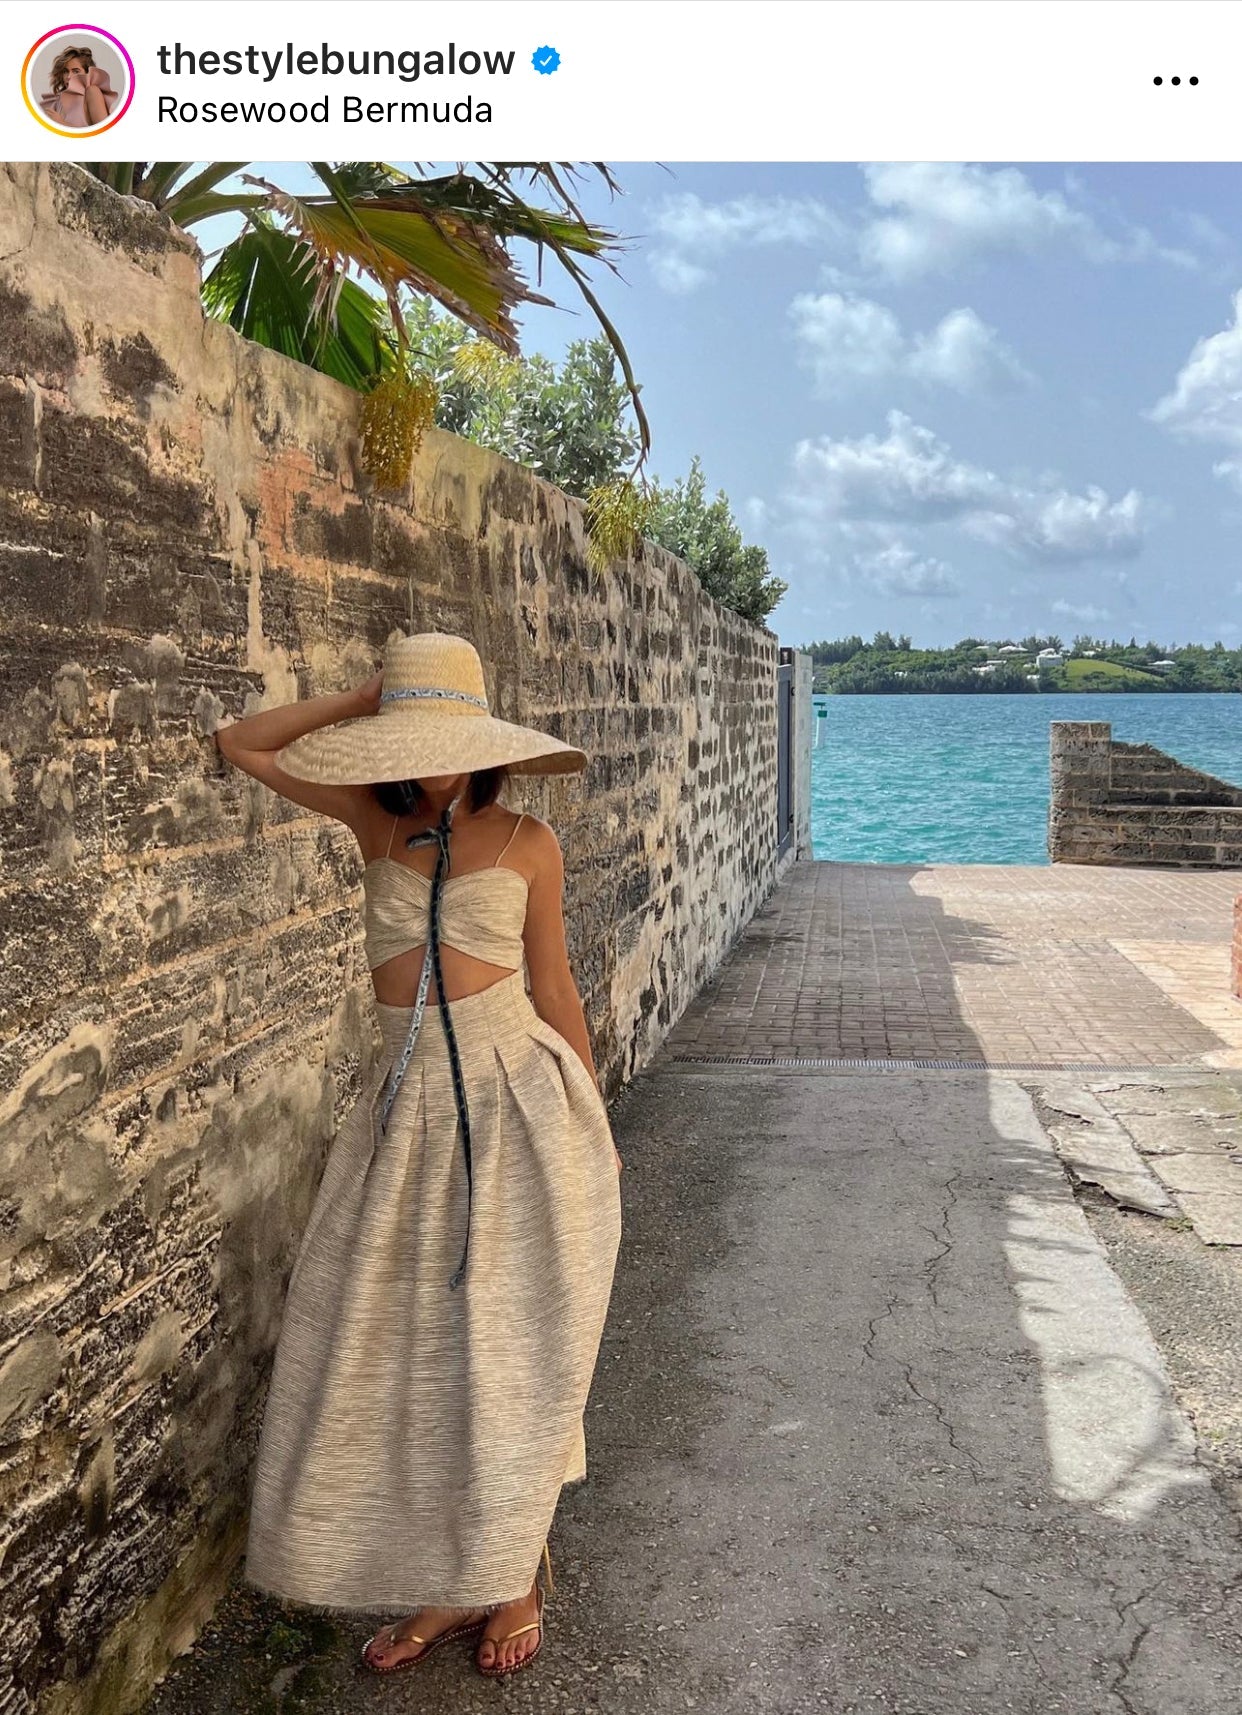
(408, 967)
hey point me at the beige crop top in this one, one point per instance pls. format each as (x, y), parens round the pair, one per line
(482, 912)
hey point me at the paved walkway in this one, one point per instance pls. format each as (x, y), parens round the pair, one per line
(1059, 964)
(876, 1428)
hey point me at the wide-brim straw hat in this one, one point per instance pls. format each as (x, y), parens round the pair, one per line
(433, 718)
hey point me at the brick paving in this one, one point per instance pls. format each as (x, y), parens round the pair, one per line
(1000, 963)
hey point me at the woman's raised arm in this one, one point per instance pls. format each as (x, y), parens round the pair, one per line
(251, 744)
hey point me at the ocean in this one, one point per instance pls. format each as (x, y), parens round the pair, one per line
(964, 779)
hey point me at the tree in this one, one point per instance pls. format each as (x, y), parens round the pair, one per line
(827, 651)
(570, 425)
(705, 535)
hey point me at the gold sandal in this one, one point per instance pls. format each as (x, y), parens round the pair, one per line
(533, 1625)
(429, 1644)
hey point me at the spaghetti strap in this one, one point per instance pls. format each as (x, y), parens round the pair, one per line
(391, 832)
(510, 840)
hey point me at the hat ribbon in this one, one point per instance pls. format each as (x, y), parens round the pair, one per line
(432, 691)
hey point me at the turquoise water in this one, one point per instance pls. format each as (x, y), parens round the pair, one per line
(964, 779)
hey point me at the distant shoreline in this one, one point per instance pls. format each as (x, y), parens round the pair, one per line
(1155, 689)
(848, 666)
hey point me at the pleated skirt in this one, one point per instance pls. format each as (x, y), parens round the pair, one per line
(415, 1439)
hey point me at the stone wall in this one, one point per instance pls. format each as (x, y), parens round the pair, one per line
(1120, 803)
(186, 537)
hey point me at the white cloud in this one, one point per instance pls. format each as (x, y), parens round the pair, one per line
(1205, 402)
(850, 340)
(863, 559)
(676, 273)
(964, 353)
(898, 570)
(1063, 527)
(690, 222)
(1204, 230)
(947, 213)
(924, 218)
(695, 232)
(846, 341)
(910, 477)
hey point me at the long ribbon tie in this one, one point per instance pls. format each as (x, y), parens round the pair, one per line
(439, 835)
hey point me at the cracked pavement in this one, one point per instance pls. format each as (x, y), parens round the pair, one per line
(876, 1427)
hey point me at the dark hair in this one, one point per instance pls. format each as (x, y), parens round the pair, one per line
(403, 797)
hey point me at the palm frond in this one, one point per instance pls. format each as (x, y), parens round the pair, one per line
(265, 286)
(458, 263)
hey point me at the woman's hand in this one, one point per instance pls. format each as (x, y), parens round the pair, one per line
(369, 694)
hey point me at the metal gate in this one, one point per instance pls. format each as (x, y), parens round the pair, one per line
(784, 748)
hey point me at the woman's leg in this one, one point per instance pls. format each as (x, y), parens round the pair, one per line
(96, 106)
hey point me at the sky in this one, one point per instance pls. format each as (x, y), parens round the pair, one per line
(949, 399)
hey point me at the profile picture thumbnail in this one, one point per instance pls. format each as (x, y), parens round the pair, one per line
(78, 80)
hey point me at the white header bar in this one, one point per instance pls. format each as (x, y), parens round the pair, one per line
(689, 80)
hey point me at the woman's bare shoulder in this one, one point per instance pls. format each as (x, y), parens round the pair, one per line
(539, 844)
(534, 827)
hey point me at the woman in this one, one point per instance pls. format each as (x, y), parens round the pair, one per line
(422, 1417)
(81, 92)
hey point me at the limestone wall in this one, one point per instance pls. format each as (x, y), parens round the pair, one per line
(185, 536)
(1120, 803)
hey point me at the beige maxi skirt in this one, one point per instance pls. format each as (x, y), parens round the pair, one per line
(415, 1438)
